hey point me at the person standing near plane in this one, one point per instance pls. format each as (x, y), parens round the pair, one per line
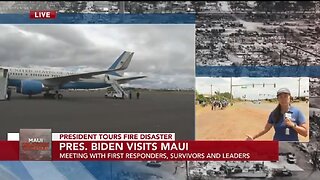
(138, 94)
(130, 94)
(287, 121)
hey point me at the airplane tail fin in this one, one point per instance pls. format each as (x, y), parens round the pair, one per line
(121, 63)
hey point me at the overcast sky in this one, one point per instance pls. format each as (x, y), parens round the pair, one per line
(203, 86)
(165, 53)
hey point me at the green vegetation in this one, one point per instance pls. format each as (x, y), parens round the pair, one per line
(217, 96)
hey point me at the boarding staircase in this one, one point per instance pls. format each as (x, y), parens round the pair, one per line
(3, 83)
(118, 89)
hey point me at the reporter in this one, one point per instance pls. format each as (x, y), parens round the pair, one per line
(288, 121)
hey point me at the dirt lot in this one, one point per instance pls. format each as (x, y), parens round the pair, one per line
(234, 122)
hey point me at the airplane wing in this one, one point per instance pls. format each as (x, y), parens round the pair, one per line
(124, 59)
(126, 79)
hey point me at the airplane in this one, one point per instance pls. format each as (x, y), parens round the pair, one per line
(30, 81)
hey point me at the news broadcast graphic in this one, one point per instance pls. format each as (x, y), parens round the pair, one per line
(115, 80)
(43, 14)
(158, 147)
(239, 108)
(35, 144)
(149, 147)
(166, 151)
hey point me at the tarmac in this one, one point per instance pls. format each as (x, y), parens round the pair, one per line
(90, 111)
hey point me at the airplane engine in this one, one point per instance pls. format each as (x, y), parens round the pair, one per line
(31, 87)
(107, 79)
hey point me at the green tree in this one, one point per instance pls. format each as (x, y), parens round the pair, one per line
(200, 98)
(226, 95)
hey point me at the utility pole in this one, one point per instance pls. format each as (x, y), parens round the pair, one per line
(231, 89)
(211, 92)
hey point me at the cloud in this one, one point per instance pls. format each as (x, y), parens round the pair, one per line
(245, 86)
(165, 53)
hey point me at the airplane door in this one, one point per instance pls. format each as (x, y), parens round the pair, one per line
(3, 83)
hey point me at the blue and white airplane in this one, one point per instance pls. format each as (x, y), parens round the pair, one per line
(30, 81)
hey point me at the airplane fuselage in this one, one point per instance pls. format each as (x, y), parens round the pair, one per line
(16, 75)
(31, 81)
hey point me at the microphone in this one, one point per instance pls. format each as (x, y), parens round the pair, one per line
(287, 115)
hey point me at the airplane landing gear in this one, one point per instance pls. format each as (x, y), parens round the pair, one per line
(60, 96)
(56, 95)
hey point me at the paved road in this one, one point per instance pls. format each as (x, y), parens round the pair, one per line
(86, 111)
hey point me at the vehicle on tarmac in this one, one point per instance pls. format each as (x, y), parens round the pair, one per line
(114, 95)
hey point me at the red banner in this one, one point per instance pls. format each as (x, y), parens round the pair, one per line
(162, 151)
(9, 150)
(166, 151)
(45, 14)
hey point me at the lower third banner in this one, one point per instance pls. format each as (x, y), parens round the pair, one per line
(166, 151)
